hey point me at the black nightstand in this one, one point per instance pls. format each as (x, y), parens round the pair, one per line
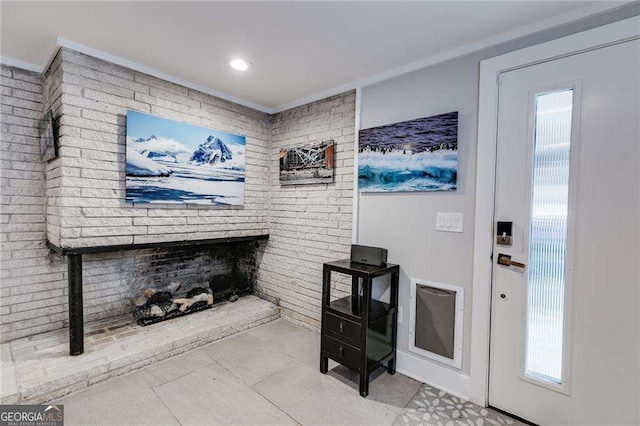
(357, 331)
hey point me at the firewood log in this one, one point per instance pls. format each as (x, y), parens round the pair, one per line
(146, 294)
(186, 303)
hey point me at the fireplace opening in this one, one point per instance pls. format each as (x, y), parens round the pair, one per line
(181, 281)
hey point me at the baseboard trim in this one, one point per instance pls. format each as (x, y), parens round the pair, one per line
(426, 371)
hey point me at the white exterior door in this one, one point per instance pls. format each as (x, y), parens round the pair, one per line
(565, 321)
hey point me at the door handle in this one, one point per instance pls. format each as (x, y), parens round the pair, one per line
(505, 259)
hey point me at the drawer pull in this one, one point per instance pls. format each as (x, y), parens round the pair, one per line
(341, 327)
(341, 350)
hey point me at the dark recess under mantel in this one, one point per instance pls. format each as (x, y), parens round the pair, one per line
(74, 276)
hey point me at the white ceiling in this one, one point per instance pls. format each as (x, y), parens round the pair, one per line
(297, 49)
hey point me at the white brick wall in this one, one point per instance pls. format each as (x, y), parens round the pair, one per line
(33, 286)
(85, 192)
(31, 290)
(310, 224)
(81, 201)
(90, 198)
(52, 94)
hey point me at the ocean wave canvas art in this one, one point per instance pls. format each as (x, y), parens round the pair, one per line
(169, 162)
(415, 155)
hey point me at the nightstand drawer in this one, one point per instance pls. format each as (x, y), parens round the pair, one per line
(341, 327)
(341, 352)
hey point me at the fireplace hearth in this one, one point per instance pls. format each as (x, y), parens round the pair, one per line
(44, 372)
(241, 253)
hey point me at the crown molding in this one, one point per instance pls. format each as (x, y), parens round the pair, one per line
(17, 63)
(536, 27)
(64, 43)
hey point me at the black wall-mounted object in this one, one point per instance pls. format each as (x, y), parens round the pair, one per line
(504, 233)
(48, 131)
(374, 256)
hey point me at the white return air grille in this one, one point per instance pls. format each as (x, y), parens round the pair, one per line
(436, 319)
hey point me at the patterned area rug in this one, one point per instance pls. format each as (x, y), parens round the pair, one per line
(433, 407)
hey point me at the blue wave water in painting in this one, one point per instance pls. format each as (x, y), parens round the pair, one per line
(399, 171)
(416, 155)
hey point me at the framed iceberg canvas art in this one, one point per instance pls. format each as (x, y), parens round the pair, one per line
(174, 162)
(415, 155)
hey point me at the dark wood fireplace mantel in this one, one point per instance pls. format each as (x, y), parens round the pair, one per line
(67, 251)
(74, 276)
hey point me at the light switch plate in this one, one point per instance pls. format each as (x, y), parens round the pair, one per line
(449, 222)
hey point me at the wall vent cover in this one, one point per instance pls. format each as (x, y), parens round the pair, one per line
(436, 321)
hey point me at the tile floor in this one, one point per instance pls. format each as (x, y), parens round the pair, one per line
(266, 375)
(434, 407)
(38, 368)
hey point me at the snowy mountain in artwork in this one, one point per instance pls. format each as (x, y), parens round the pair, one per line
(139, 165)
(212, 151)
(162, 149)
(169, 162)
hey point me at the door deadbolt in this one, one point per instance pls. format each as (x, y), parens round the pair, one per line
(504, 233)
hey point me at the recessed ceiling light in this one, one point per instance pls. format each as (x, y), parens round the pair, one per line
(239, 64)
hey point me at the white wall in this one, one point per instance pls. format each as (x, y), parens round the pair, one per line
(404, 223)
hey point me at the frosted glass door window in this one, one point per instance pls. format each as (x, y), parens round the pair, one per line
(548, 236)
